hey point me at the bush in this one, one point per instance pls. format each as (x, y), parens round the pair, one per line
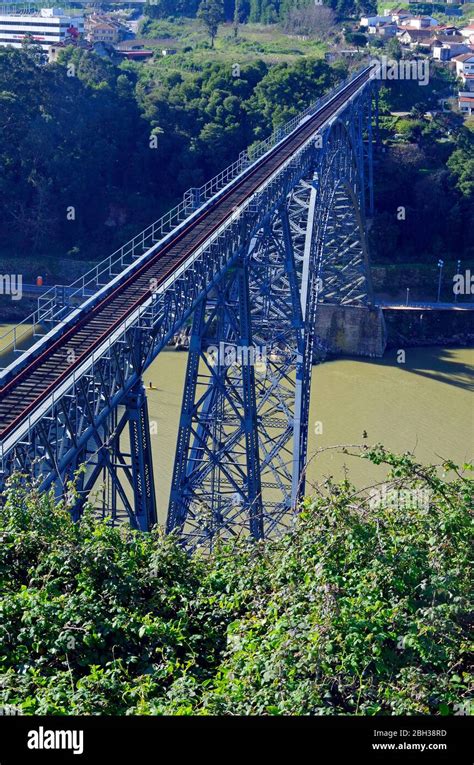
(361, 609)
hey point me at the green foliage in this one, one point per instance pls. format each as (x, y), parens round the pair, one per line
(428, 171)
(256, 11)
(64, 136)
(461, 164)
(211, 13)
(162, 9)
(393, 49)
(61, 137)
(356, 38)
(285, 90)
(93, 617)
(359, 609)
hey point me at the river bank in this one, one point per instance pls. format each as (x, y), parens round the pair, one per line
(424, 328)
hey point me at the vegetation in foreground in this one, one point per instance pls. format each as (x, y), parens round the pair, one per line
(360, 609)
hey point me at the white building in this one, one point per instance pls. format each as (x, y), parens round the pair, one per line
(464, 64)
(48, 27)
(445, 50)
(468, 33)
(466, 103)
(418, 22)
(396, 14)
(371, 21)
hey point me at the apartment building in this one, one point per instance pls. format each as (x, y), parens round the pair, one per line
(47, 27)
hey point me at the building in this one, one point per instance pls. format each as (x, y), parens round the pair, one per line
(468, 83)
(464, 65)
(100, 28)
(396, 15)
(47, 27)
(416, 37)
(371, 21)
(418, 22)
(468, 33)
(444, 49)
(134, 54)
(448, 31)
(466, 103)
(383, 30)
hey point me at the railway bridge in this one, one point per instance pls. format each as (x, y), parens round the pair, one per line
(242, 264)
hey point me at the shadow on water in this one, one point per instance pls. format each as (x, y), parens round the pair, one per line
(442, 366)
(431, 362)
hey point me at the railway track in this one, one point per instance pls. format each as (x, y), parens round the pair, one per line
(21, 395)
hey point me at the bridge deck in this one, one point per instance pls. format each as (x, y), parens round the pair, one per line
(21, 395)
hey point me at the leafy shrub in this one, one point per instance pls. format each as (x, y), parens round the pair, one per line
(360, 609)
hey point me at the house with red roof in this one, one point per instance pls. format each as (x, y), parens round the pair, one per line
(466, 103)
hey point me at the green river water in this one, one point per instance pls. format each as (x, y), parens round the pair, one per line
(424, 405)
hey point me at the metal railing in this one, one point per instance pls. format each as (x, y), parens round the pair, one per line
(59, 301)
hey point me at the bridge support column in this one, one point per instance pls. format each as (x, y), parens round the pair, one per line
(119, 476)
(141, 459)
(215, 487)
(352, 330)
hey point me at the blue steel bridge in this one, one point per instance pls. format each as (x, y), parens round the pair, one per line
(246, 260)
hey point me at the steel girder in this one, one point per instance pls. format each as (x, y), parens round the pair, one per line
(310, 249)
(298, 241)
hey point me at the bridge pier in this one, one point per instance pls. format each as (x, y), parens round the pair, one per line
(119, 475)
(216, 478)
(351, 330)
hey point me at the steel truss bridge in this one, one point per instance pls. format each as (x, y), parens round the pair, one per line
(243, 264)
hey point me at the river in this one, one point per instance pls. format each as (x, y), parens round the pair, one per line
(424, 405)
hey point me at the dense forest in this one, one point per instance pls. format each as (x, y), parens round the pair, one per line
(117, 148)
(424, 179)
(360, 609)
(263, 11)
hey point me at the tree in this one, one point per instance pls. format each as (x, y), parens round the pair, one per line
(356, 38)
(394, 49)
(461, 165)
(161, 9)
(211, 13)
(33, 49)
(313, 20)
(237, 17)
